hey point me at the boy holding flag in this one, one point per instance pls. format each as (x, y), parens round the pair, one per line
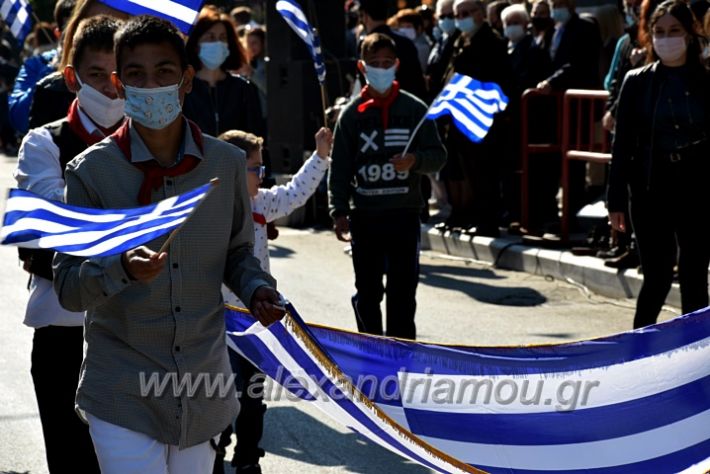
(374, 190)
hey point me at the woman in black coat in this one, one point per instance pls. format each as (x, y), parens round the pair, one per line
(220, 100)
(661, 163)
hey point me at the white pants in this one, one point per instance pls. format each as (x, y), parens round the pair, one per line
(122, 451)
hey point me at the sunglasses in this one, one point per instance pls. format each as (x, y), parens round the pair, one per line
(259, 171)
(449, 16)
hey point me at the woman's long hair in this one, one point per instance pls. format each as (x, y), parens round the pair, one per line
(210, 16)
(680, 11)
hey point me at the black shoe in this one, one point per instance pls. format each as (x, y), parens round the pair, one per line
(630, 259)
(613, 252)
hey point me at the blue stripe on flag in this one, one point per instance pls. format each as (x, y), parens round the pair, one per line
(17, 16)
(293, 14)
(182, 13)
(670, 463)
(34, 222)
(525, 360)
(471, 104)
(564, 427)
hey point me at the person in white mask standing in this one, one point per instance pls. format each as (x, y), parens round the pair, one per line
(660, 166)
(221, 99)
(45, 151)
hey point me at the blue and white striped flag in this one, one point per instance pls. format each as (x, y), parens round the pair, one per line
(472, 105)
(31, 221)
(291, 11)
(183, 13)
(17, 15)
(637, 402)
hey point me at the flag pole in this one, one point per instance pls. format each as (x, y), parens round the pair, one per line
(213, 182)
(324, 101)
(37, 22)
(421, 122)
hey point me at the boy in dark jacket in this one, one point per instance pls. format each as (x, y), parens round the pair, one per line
(374, 190)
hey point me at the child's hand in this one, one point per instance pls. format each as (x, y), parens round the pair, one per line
(324, 142)
(403, 162)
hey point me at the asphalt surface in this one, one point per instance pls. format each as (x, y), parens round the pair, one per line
(459, 301)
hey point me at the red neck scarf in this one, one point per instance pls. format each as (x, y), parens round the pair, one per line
(78, 128)
(382, 103)
(258, 218)
(153, 173)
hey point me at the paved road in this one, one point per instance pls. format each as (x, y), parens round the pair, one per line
(459, 302)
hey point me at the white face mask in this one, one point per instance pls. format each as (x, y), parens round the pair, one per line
(670, 49)
(103, 110)
(409, 33)
(514, 32)
(380, 79)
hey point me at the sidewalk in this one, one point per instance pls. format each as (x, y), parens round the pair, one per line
(508, 252)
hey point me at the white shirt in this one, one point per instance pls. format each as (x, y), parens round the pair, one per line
(277, 202)
(40, 171)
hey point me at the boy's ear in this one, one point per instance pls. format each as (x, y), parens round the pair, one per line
(396, 65)
(187, 78)
(70, 79)
(361, 66)
(118, 85)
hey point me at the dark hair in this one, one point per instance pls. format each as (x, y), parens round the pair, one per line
(248, 142)
(241, 15)
(43, 34)
(409, 15)
(209, 17)
(95, 33)
(375, 42)
(80, 11)
(376, 9)
(62, 12)
(146, 29)
(681, 12)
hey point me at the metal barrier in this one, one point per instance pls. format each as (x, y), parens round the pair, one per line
(594, 147)
(528, 149)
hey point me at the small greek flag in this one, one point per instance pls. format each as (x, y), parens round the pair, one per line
(183, 13)
(16, 14)
(31, 221)
(291, 11)
(471, 103)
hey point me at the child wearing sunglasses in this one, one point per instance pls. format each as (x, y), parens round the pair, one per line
(267, 205)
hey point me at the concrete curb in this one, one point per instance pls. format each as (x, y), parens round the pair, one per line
(509, 253)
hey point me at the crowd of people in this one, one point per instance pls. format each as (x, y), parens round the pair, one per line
(140, 105)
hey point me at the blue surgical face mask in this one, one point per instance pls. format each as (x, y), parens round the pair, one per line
(213, 53)
(466, 25)
(380, 79)
(153, 108)
(560, 15)
(447, 25)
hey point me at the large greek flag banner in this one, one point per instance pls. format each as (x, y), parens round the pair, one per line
(183, 13)
(472, 105)
(637, 402)
(31, 221)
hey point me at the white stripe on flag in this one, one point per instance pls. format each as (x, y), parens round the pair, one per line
(618, 383)
(170, 8)
(630, 449)
(26, 203)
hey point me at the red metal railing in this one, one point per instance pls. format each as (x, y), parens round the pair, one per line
(590, 145)
(529, 149)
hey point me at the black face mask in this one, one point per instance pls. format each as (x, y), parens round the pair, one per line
(541, 23)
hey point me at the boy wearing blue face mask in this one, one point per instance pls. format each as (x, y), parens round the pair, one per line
(159, 316)
(374, 190)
